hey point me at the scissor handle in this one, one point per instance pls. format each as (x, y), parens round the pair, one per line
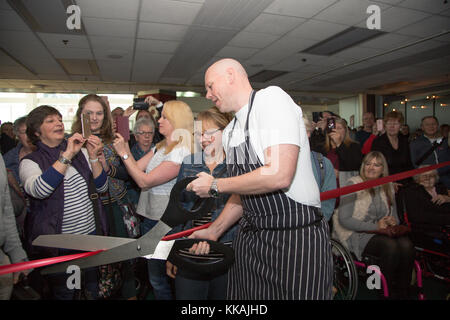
(217, 262)
(176, 214)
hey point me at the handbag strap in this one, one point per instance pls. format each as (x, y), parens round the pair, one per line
(95, 200)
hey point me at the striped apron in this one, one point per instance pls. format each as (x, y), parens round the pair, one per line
(282, 247)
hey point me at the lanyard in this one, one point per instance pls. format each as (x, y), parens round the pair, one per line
(250, 104)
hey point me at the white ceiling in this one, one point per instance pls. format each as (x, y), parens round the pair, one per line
(138, 45)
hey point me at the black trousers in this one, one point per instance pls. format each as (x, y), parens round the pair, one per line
(396, 262)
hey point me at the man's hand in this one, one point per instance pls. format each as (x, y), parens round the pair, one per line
(201, 185)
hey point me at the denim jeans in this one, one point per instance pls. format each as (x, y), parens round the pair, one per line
(214, 289)
(157, 269)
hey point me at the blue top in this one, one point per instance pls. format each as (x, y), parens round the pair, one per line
(12, 160)
(190, 168)
(441, 154)
(329, 182)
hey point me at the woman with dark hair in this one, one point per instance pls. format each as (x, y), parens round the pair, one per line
(394, 145)
(100, 117)
(362, 213)
(61, 181)
(344, 153)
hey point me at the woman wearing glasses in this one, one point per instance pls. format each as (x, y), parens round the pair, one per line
(143, 131)
(212, 161)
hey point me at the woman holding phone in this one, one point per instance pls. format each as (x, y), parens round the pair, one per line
(100, 119)
(156, 172)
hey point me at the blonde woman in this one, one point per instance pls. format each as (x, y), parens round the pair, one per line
(368, 210)
(156, 173)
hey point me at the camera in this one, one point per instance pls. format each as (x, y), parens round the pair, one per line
(331, 124)
(140, 104)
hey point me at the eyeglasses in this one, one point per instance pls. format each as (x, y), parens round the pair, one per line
(145, 133)
(206, 133)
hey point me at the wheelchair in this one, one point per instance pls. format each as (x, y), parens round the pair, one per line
(432, 244)
(345, 275)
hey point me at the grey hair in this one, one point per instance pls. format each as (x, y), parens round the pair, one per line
(416, 178)
(141, 122)
(18, 123)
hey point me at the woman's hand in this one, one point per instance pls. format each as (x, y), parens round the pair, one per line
(103, 162)
(336, 138)
(129, 111)
(171, 269)
(119, 145)
(94, 146)
(151, 100)
(74, 144)
(383, 223)
(440, 199)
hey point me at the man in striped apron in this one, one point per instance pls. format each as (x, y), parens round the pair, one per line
(282, 248)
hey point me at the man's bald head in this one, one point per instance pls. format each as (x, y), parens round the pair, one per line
(227, 85)
(222, 65)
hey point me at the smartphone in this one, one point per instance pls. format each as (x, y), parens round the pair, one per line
(379, 125)
(140, 104)
(85, 126)
(331, 124)
(123, 127)
(316, 116)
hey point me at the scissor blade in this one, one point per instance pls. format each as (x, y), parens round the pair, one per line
(143, 246)
(82, 242)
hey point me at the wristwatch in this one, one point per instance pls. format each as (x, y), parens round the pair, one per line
(213, 190)
(64, 160)
(125, 156)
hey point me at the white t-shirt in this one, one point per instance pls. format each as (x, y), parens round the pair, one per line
(276, 119)
(153, 201)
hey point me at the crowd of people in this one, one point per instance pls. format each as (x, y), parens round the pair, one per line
(267, 206)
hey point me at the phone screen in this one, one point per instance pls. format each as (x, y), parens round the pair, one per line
(331, 124)
(380, 125)
(85, 126)
(123, 127)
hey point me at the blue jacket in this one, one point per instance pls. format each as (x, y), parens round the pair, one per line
(190, 168)
(329, 182)
(421, 145)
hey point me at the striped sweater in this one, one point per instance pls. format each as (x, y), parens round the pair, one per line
(78, 211)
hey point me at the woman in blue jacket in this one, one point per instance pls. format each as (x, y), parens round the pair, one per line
(212, 161)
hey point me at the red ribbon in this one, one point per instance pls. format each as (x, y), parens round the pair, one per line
(16, 267)
(330, 194)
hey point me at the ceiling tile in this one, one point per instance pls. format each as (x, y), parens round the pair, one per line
(10, 20)
(348, 12)
(317, 30)
(158, 46)
(167, 11)
(388, 41)
(427, 27)
(111, 9)
(110, 27)
(71, 53)
(273, 24)
(149, 66)
(298, 8)
(236, 52)
(55, 40)
(395, 18)
(433, 6)
(252, 40)
(150, 30)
